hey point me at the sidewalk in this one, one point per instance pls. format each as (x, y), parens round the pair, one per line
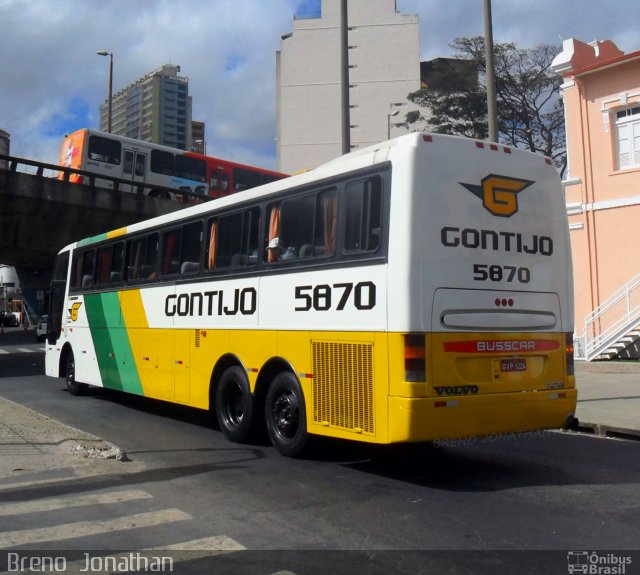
(609, 397)
(34, 447)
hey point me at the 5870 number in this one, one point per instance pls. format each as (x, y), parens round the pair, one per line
(324, 297)
(483, 272)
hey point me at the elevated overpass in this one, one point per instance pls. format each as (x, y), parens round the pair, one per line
(40, 213)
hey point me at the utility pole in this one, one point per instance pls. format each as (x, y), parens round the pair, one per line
(492, 109)
(344, 84)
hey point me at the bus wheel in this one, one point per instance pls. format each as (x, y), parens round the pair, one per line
(234, 405)
(73, 387)
(285, 415)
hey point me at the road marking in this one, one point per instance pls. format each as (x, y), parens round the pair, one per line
(10, 539)
(26, 350)
(53, 503)
(218, 543)
(3, 352)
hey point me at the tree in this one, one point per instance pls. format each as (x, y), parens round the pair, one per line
(530, 112)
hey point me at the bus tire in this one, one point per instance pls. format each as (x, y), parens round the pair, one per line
(285, 415)
(73, 387)
(234, 405)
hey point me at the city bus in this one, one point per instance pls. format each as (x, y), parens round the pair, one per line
(416, 290)
(138, 161)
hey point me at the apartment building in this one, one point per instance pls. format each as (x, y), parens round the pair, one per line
(155, 108)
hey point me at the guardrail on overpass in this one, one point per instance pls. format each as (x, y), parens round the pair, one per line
(41, 211)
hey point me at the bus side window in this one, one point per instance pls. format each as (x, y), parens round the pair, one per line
(162, 162)
(363, 220)
(170, 252)
(219, 181)
(229, 241)
(104, 150)
(303, 227)
(86, 269)
(141, 258)
(191, 243)
(109, 269)
(244, 179)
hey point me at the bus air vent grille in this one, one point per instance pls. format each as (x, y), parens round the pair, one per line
(196, 342)
(343, 385)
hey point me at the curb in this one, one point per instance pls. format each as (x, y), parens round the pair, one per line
(603, 430)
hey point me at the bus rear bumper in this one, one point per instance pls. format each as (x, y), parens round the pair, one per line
(455, 417)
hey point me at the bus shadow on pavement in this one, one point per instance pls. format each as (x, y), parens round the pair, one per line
(486, 464)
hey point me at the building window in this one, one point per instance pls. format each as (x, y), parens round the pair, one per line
(628, 138)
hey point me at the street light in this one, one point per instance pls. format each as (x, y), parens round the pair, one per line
(110, 54)
(390, 115)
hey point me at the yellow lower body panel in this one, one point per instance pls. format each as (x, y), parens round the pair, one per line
(428, 419)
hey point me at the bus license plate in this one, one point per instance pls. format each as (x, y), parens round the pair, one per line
(513, 365)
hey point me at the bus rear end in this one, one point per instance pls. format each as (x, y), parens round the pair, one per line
(72, 154)
(483, 319)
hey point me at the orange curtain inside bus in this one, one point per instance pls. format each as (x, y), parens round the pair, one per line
(213, 234)
(273, 251)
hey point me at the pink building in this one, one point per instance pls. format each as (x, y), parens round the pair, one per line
(601, 93)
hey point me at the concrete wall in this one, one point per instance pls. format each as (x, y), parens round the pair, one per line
(384, 64)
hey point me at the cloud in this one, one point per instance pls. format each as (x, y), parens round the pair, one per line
(53, 81)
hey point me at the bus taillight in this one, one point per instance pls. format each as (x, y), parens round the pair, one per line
(415, 366)
(568, 350)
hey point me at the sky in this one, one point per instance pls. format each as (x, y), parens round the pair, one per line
(52, 82)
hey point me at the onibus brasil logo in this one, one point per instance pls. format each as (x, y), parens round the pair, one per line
(597, 563)
(499, 194)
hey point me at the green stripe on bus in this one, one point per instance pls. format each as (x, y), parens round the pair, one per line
(111, 342)
(91, 240)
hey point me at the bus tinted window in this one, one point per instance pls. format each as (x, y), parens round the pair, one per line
(219, 181)
(191, 168)
(191, 243)
(82, 269)
(110, 260)
(170, 252)
(162, 162)
(303, 227)
(104, 150)
(245, 179)
(233, 240)
(363, 220)
(61, 267)
(141, 257)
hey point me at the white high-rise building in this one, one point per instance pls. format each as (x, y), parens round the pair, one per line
(156, 108)
(384, 67)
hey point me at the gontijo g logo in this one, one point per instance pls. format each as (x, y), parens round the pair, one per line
(499, 193)
(73, 310)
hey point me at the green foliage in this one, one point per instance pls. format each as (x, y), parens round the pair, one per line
(530, 112)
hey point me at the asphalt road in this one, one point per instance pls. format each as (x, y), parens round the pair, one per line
(484, 506)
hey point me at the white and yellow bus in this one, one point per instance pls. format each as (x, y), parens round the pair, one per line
(417, 290)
